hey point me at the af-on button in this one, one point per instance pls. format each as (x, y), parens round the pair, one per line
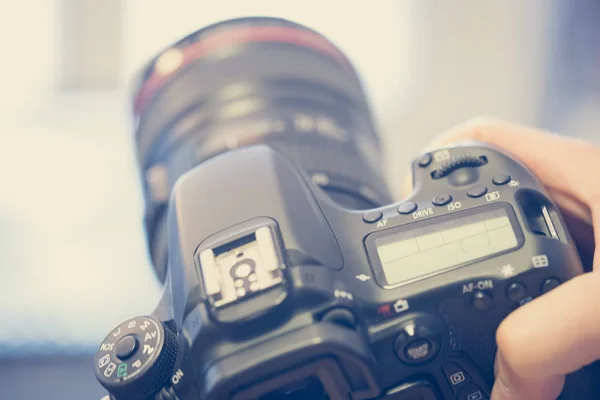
(482, 300)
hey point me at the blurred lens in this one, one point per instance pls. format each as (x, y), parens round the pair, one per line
(251, 81)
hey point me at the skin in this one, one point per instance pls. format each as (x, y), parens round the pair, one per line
(559, 332)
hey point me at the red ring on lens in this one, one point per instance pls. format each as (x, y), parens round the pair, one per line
(237, 36)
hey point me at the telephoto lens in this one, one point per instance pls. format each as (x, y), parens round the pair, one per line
(254, 81)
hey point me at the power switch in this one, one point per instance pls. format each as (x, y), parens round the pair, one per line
(456, 376)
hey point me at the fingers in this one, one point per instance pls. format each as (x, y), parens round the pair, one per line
(548, 338)
(507, 385)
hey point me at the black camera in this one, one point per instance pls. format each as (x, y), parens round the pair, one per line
(287, 274)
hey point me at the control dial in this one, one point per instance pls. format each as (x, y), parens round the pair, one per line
(458, 162)
(136, 359)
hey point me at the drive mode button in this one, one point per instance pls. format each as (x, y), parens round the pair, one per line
(407, 208)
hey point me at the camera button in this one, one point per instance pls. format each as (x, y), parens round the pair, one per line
(372, 216)
(472, 392)
(424, 160)
(477, 191)
(482, 300)
(417, 342)
(441, 200)
(456, 375)
(549, 284)
(501, 179)
(407, 207)
(419, 350)
(126, 347)
(516, 291)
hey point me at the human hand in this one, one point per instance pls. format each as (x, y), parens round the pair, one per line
(535, 348)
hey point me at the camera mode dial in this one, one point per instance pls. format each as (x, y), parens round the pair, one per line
(136, 359)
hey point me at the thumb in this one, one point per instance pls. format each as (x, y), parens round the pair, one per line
(533, 357)
(510, 386)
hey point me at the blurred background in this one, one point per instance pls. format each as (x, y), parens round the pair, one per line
(70, 200)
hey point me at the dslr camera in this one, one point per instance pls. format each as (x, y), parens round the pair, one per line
(288, 273)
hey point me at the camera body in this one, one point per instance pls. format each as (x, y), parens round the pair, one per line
(275, 291)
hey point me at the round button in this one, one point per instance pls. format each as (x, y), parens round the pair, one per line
(418, 340)
(424, 160)
(482, 300)
(516, 291)
(418, 350)
(372, 216)
(126, 347)
(549, 284)
(477, 191)
(442, 200)
(407, 207)
(501, 179)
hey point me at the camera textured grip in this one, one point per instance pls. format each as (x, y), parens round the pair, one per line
(478, 340)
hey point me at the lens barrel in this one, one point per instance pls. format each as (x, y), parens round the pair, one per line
(254, 81)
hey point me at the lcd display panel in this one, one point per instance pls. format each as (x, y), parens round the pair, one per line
(411, 252)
